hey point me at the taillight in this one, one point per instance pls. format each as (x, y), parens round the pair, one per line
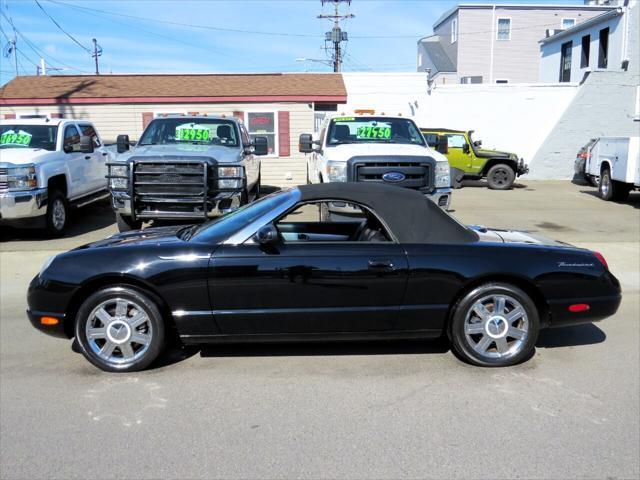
(600, 257)
(585, 155)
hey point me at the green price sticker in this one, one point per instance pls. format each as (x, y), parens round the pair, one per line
(12, 138)
(368, 132)
(191, 134)
(344, 119)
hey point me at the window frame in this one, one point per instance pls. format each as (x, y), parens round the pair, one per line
(563, 57)
(603, 54)
(454, 30)
(276, 127)
(390, 235)
(562, 20)
(584, 64)
(498, 29)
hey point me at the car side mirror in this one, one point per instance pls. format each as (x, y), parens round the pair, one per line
(305, 144)
(260, 146)
(86, 144)
(267, 234)
(466, 148)
(123, 143)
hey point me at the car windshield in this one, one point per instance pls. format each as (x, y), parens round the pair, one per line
(206, 131)
(373, 130)
(28, 136)
(222, 228)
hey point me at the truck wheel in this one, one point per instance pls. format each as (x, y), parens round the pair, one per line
(57, 213)
(501, 177)
(610, 189)
(126, 223)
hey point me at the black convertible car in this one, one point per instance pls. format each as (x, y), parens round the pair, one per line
(272, 271)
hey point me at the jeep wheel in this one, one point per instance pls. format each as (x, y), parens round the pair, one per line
(57, 213)
(501, 177)
(126, 223)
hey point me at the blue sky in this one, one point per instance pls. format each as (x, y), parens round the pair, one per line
(151, 46)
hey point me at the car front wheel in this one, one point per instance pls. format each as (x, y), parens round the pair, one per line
(120, 329)
(501, 177)
(57, 213)
(495, 325)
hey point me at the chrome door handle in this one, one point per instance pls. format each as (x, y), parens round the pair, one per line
(381, 265)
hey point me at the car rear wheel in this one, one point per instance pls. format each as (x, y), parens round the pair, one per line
(120, 329)
(57, 213)
(495, 325)
(501, 177)
(609, 189)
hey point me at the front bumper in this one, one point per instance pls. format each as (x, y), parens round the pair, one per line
(522, 168)
(15, 206)
(219, 204)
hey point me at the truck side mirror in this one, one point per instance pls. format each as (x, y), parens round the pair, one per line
(305, 145)
(123, 143)
(260, 146)
(86, 144)
(267, 234)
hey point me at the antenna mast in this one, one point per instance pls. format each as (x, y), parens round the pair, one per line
(336, 36)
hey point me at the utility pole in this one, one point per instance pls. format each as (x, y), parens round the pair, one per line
(42, 69)
(336, 36)
(97, 51)
(14, 50)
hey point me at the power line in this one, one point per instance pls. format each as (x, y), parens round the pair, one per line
(63, 30)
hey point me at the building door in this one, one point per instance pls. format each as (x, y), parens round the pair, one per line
(565, 62)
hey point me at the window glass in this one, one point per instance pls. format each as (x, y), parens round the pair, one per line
(89, 131)
(28, 136)
(504, 29)
(71, 138)
(603, 51)
(568, 23)
(263, 124)
(373, 130)
(586, 47)
(314, 222)
(245, 135)
(181, 130)
(456, 141)
(454, 31)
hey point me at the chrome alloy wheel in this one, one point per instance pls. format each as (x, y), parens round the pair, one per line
(496, 326)
(119, 331)
(59, 214)
(605, 185)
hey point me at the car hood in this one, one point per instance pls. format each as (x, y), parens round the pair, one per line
(220, 153)
(349, 150)
(23, 156)
(515, 236)
(484, 153)
(149, 236)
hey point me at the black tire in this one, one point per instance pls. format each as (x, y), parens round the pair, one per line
(469, 346)
(610, 189)
(501, 177)
(244, 197)
(256, 188)
(456, 178)
(154, 327)
(126, 223)
(58, 212)
(593, 181)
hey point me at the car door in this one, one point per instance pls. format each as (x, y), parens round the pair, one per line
(298, 286)
(78, 165)
(97, 160)
(459, 155)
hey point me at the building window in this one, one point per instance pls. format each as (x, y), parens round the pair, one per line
(471, 79)
(454, 30)
(567, 23)
(586, 46)
(603, 51)
(502, 80)
(504, 29)
(263, 124)
(565, 62)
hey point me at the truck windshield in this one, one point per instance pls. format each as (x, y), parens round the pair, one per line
(28, 136)
(373, 130)
(207, 131)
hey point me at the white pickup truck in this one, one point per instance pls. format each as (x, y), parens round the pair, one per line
(365, 147)
(615, 162)
(48, 166)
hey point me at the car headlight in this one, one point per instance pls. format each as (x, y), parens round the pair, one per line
(230, 177)
(21, 178)
(47, 264)
(443, 175)
(337, 171)
(119, 177)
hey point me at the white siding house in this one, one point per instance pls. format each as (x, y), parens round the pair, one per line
(597, 44)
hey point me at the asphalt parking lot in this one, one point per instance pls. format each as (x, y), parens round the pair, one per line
(388, 410)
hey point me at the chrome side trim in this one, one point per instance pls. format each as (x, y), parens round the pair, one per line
(193, 313)
(186, 257)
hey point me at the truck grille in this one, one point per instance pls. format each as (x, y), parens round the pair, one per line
(4, 185)
(171, 187)
(416, 175)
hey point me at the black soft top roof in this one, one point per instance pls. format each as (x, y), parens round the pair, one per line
(411, 216)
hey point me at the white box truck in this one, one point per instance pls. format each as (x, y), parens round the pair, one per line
(615, 162)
